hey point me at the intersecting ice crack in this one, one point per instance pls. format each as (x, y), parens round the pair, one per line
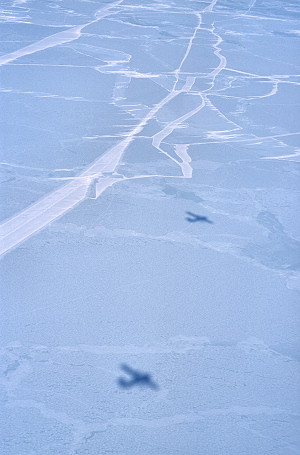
(27, 366)
(40, 214)
(252, 4)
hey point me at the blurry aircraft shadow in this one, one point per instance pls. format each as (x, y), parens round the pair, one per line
(137, 378)
(192, 218)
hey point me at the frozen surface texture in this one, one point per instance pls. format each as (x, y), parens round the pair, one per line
(117, 118)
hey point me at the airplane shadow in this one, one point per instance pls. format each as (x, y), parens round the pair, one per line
(193, 218)
(137, 378)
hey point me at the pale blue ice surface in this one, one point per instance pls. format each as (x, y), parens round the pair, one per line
(119, 117)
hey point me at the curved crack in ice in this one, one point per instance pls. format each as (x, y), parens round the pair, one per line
(17, 229)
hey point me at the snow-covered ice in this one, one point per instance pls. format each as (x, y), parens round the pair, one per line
(118, 117)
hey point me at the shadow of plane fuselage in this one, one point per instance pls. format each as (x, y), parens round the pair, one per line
(192, 218)
(137, 378)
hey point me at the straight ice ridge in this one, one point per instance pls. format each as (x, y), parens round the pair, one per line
(161, 135)
(189, 47)
(31, 220)
(58, 38)
(210, 7)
